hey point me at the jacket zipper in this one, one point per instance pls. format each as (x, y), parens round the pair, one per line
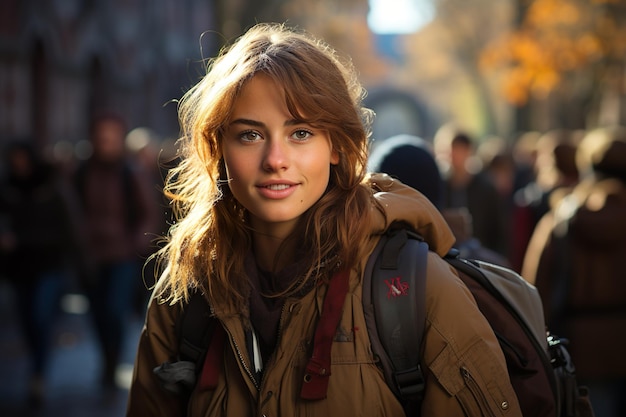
(270, 362)
(476, 392)
(242, 360)
(279, 335)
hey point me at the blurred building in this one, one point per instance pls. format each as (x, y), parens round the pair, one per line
(63, 60)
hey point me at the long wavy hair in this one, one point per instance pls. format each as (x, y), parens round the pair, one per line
(211, 236)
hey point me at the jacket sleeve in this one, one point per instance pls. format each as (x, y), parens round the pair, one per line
(157, 344)
(465, 369)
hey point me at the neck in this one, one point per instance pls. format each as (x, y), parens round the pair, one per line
(267, 248)
(267, 240)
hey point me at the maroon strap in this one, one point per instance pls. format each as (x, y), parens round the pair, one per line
(317, 371)
(211, 368)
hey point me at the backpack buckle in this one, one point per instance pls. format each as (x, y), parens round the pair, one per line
(410, 382)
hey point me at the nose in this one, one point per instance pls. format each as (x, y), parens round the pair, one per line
(276, 156)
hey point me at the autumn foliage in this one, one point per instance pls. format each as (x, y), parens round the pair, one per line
(557, 39)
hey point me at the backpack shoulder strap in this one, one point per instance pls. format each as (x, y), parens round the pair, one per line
(394, 284)
(195, 328)
(317, 371)
(200, 343)
(201, 340)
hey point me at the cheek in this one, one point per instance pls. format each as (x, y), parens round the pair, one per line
(241, 171)
(235, 178)
(236, 164)
(321, 176)
(229, 169)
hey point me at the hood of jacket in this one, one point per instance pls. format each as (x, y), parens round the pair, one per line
(401, 203)
(594, 212)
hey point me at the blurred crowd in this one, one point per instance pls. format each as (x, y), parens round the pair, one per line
(84, 226)
(550, 205)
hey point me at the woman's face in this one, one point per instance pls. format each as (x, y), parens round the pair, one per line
(278, 167)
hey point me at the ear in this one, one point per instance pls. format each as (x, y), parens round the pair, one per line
(334, 157)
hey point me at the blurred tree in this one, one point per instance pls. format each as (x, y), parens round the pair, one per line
(443, 62)
(343, 24)
(439, 62)
(571, 53)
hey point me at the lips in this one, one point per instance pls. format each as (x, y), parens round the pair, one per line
(277, 187)
(276, 190)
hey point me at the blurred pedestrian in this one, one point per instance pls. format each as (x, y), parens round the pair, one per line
(555, 171)
(411, 160)
(38, 238)
(576, 259)
(467, 185)
(499, 166)
(524, 149)
(118, 212)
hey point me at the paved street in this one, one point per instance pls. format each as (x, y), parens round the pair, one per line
(72, 388)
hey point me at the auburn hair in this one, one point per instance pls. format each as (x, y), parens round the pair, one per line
(210, 236)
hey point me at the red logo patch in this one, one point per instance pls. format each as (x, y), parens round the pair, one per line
(396, 287)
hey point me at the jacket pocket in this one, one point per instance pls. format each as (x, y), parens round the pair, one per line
(475, 379)
(473, 399)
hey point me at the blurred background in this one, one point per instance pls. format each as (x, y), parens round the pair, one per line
(498, 69)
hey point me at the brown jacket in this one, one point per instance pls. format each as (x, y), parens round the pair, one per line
(465, 369)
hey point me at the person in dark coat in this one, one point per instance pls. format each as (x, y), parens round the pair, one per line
(466, 185)
(119, 214)
(556, 171)
(37, 239)
(576, 259)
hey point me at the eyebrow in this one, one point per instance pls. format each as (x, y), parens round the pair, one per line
(256, 123)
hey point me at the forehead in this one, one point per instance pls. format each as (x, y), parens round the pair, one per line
(260, 95)
(261, 82)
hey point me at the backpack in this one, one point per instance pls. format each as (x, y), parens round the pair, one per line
(539, 365)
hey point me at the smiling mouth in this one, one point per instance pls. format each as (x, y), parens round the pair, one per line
(277, 187)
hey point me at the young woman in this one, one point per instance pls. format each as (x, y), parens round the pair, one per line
(276, 211)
